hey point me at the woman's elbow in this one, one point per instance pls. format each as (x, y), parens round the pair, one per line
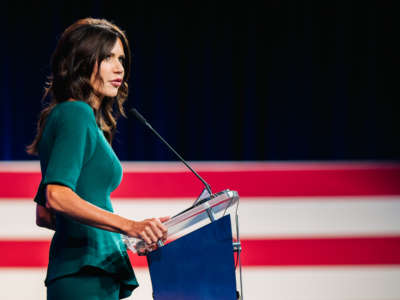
(53, 194)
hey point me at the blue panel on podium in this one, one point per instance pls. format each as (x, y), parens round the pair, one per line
(197, 266)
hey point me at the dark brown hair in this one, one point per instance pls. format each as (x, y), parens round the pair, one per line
(82, 45)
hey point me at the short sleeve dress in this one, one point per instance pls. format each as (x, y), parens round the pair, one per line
(74, 152)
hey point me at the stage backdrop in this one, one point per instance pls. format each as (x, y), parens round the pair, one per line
(309, 230)
(276, 80)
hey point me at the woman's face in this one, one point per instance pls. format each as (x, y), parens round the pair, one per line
(111, 73)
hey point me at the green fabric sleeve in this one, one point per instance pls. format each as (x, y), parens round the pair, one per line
(68, 144)
(74, 143)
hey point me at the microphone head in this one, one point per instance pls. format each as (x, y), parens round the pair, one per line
(137, 114)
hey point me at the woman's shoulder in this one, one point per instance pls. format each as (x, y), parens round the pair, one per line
(74, 111)
(70, 120)
(74, 106)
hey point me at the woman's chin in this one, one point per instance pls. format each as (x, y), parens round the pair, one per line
(111, 94)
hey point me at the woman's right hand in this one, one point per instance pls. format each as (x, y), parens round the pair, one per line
(149, 230)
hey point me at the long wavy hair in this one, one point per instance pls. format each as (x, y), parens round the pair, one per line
(82, 45)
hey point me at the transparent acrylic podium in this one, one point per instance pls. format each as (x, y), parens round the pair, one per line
(199, 251)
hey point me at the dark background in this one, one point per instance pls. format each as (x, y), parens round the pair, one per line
(282, 80)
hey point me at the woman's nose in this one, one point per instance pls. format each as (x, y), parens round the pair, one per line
(118, 67)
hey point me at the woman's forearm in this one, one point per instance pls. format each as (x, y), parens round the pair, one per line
(65, 201)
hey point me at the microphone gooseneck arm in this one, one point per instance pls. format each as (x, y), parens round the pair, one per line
(144, 121)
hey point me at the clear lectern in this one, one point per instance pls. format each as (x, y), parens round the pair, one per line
(200, 258)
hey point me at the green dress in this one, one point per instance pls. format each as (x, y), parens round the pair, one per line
(74, 152)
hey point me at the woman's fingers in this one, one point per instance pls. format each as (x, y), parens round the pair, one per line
(160, 229)
(155, 226)
(150, 230)
(144, 236)
(153, 235)
(164, 228)
(164, 219)
(154, 230)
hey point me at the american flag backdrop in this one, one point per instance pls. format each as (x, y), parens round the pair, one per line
(309, 230)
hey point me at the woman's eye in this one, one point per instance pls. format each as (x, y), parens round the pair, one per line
(122, 59)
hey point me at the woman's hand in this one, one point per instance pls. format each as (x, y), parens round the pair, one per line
(149, 230)
(44, 217)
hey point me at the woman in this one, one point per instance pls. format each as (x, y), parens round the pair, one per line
(88, 86)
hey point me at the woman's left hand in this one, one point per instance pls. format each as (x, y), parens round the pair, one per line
(45, 218)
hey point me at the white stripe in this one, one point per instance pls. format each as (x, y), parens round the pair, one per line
(259, 218)
(176, 166)
(19, 166)
(328, 283)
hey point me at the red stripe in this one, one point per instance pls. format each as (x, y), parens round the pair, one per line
(16, 185)
(322, 251)
(274, 252)
(23, 254)
(274, 183)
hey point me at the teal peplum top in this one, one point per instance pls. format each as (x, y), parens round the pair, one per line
(74, 152)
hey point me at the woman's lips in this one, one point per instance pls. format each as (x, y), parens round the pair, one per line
(116, 83)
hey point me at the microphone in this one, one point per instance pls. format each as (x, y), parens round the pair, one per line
(143, 120)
